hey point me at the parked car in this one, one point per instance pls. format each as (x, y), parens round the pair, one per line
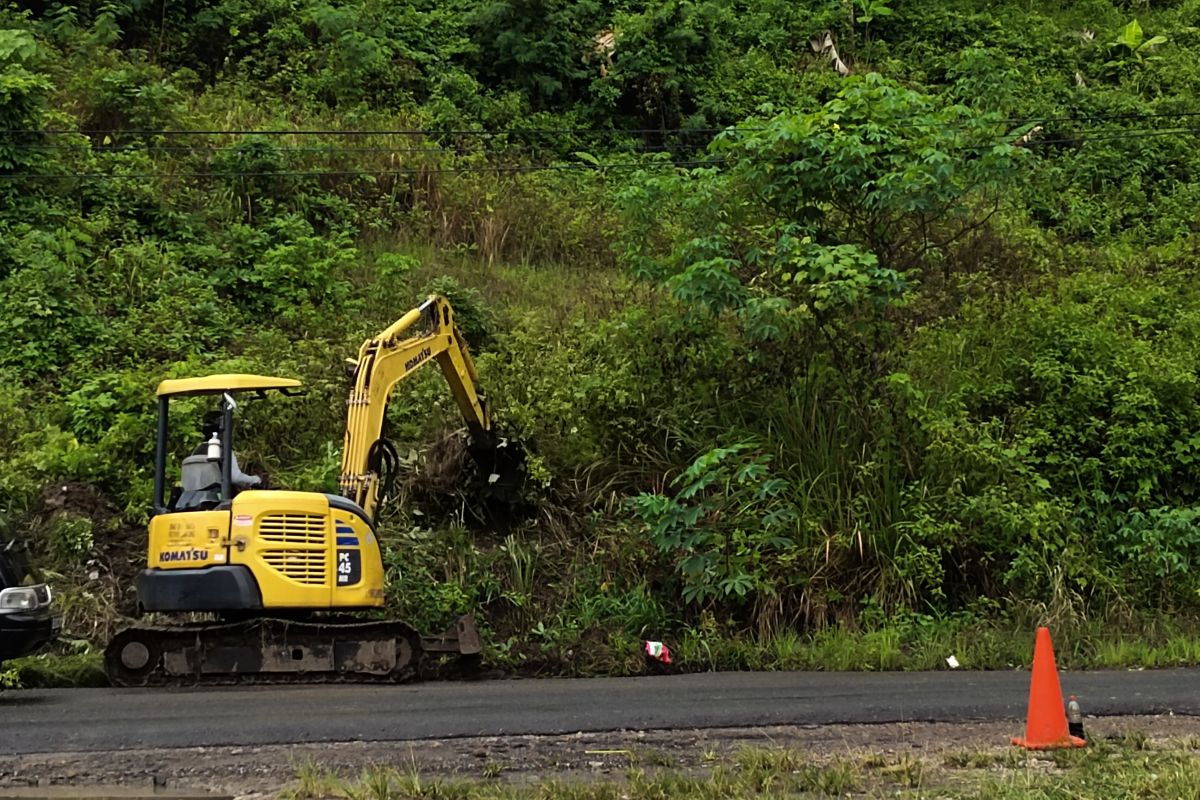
(27, 618)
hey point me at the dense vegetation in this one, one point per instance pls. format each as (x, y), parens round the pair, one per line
(821, 319)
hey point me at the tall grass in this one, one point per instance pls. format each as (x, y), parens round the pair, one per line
(847, 482)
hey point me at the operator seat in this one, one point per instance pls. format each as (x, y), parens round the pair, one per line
(201, 482)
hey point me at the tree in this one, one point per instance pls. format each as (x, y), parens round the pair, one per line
(23, 92)
(1131, 48)
(824, 214)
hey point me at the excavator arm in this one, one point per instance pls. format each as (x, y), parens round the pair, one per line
(385, 360)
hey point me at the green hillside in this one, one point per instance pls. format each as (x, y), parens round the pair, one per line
(841, 334)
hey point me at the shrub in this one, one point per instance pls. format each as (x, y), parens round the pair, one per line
(69, 538)
(23, 92)
(730, 529)
(1059, 429)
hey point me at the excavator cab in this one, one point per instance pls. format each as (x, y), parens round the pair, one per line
(210, 474)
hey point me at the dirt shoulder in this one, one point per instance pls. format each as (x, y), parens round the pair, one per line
(267, 770)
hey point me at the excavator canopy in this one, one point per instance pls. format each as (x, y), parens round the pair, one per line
(219, 384)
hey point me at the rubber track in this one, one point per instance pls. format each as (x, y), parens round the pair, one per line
(166, 634)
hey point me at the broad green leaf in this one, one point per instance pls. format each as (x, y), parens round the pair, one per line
(1131, 35)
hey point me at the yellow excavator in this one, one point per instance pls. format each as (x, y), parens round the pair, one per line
(266, 561)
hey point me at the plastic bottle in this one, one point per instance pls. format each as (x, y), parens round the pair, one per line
(1074, 717)
(214, 447)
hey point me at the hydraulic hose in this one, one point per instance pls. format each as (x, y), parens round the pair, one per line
(384, 461)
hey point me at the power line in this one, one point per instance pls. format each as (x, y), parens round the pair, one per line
(360, 173)
(327, 149)
(1108, 117)
(515, 133)
(1108, 136)
(529, 148)
(903, 122)
(1082, 137)
(525, 132)
(428, 132)
(518, 132)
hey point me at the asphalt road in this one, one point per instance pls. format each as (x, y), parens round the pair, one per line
(112, 719)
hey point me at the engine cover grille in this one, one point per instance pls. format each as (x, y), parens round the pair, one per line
(307, 529)
(302, 566)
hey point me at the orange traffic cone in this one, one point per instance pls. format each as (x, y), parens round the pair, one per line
(1046, 726)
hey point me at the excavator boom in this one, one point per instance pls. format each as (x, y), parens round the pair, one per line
(384, 361)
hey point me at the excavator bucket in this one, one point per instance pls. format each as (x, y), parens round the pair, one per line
(461, 638)
(502, 467)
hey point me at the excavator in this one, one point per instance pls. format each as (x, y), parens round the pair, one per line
(275, 572)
